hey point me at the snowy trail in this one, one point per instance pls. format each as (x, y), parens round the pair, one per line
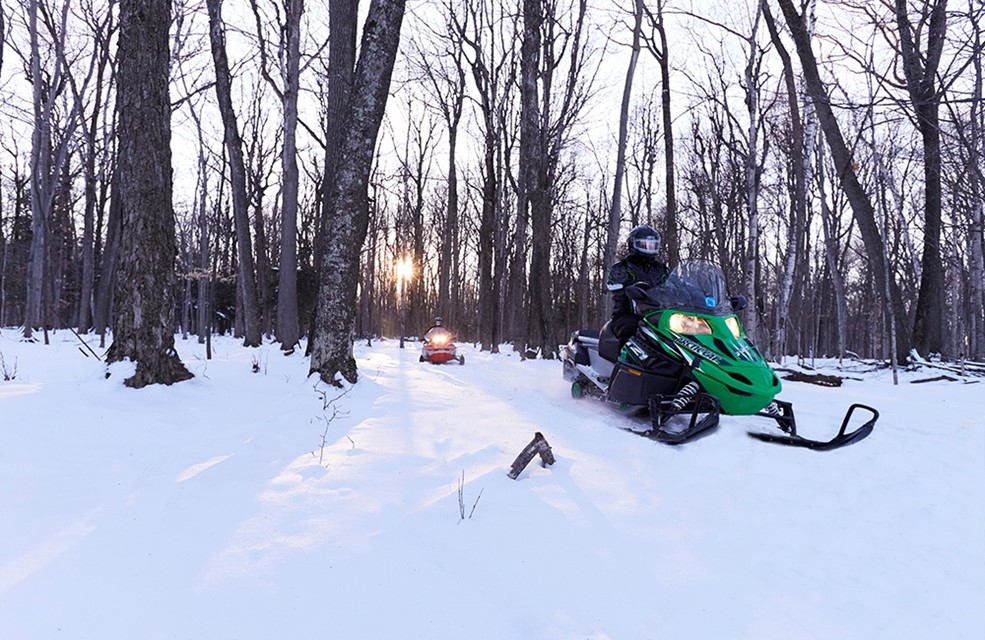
(211, 509)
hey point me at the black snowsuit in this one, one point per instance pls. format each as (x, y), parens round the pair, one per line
(627, 272)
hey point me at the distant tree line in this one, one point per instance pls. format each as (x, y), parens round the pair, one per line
(504, 149)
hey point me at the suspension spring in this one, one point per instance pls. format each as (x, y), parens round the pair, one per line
(684, 395)
(773, 409)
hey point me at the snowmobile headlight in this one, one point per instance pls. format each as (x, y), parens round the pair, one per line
(440, 339)
(733, 324)
(689, 325)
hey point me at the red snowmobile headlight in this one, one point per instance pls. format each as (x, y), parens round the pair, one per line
(440, 339)
(689, 325)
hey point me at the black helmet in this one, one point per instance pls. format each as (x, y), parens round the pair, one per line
(437, 321)
(644, 241)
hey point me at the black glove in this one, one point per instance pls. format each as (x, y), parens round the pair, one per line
(739, 302)
(637, 290)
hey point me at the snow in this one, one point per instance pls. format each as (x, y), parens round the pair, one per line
(242, 505)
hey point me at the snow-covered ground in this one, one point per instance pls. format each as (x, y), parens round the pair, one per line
(252, 506)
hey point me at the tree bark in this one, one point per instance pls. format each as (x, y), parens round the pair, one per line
(331, 354)
(752, 173)
(673, 240)
(920, 69)
(615, 208)
(146, 283)
(798, 208)
(40, 176)
(975, 237)
(237, 174)
(530, 200)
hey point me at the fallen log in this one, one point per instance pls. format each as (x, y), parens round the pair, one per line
(820, 379)
(537, 446)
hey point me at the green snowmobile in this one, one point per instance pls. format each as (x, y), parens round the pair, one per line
(689, 362)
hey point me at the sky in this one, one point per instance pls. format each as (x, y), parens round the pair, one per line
(242, 505)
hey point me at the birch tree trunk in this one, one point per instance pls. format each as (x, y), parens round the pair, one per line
(146, 284)
(615, 210)
(798, 171)
(237, 174)
(752, 171)
(331, 353)
(975, 237)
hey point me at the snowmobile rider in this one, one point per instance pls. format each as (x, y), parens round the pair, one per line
(640, 268)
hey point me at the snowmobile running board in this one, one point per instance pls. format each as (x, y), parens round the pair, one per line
(843, 439)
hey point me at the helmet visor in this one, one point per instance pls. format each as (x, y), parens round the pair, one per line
(647, 246)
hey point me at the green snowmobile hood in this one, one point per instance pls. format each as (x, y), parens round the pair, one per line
(727, 366)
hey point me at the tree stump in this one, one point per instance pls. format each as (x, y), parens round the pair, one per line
(537, 446)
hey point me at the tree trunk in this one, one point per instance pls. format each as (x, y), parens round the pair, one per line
(237, 175)
(288, 329)
(615, 208)
(798, 176)
(331, 353)
(831, 258)
(145, 286)
(753, 169)
(40, 187)
(856, 194)
(975, 237)
(920, 70)
(103, 311)
(530, 194)
(673, 241)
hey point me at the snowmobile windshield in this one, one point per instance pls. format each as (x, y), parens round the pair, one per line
(438, 335)
(695, 286)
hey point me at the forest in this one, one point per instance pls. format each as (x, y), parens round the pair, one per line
(338, 171)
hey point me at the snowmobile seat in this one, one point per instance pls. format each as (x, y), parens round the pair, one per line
(609, 344)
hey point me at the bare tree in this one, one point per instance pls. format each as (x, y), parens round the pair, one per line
(237, 175)
(103, 27)
(615, 208)
(145, 286)
(555, 85)
(443, 70)
(532, 197)
(844, 163)
(289, 50)
(920, 69)
(658, 45)
(491, 63)
(798, 176)
(976, 239)
(342, 34)
(331, 353)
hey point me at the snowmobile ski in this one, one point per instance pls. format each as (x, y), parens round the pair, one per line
(843, 439)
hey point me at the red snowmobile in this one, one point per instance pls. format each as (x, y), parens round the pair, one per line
(439, 347)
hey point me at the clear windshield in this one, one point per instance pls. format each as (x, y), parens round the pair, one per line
(438, 335)
(697, 286)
